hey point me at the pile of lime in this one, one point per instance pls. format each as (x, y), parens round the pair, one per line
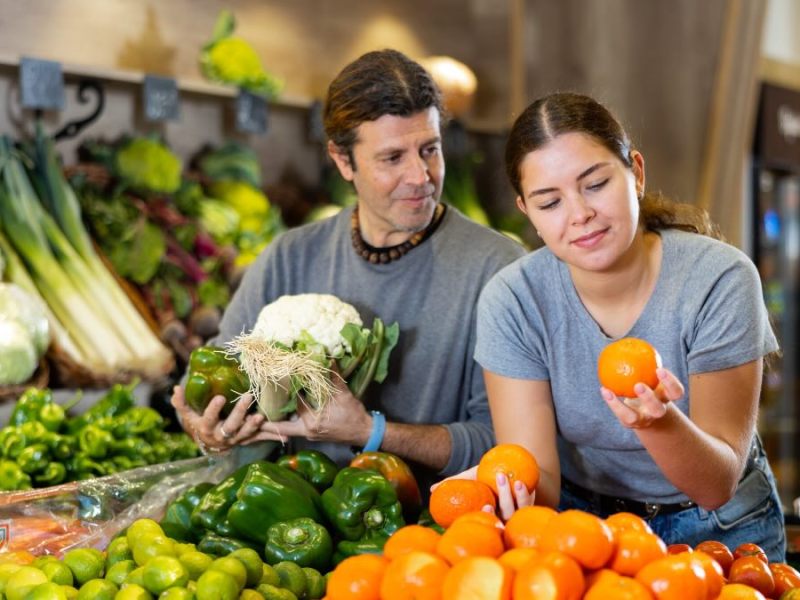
(145, 564)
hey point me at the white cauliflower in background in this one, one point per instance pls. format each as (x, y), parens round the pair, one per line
(322, 316)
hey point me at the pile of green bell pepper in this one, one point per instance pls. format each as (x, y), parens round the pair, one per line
(43, 446)
(212, 372)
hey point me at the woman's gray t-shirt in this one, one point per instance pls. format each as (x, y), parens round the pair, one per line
(706, 313)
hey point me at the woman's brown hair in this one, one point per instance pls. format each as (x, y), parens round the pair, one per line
(560, 113)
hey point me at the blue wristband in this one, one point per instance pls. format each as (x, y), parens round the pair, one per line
(378, 429)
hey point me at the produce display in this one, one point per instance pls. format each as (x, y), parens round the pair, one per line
(297, 341)
(43, 446)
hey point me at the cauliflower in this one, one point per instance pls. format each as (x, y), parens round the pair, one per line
(148, 164)
(298, 340)
(18, 358)
(322, 316)
(231, 60)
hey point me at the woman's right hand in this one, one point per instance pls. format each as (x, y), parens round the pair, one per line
(212, 433)
(508, 500)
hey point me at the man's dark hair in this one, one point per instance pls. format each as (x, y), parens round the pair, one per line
(383, 82)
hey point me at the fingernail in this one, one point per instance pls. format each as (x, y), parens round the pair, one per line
(640, 388)
(487, 508)
(501, 479)
(661, 373)
(519, 486)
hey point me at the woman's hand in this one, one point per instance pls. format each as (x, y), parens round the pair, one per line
(210, 432)
(649, 405)
(508, 500)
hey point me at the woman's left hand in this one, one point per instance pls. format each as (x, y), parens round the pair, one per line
(649, 405)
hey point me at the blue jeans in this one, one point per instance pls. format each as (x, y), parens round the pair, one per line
(753, 515)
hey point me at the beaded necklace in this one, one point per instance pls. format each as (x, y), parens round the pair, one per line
(390, 253)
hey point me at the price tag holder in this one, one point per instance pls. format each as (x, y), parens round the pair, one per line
(251, 113)
(161, 98)
(41, 83)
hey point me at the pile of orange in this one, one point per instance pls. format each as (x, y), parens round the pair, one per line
(626, 362)
(541, 553)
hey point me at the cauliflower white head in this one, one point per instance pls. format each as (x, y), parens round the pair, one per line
(321, 316)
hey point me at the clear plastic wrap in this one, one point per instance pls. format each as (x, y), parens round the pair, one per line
(90, 513)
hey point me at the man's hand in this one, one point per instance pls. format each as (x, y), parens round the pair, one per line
(209, 431)
(343, 419)
(649, 404)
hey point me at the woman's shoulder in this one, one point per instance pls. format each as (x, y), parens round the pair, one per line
(692, 247)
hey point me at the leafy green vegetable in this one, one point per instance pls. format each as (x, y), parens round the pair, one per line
(147, 164)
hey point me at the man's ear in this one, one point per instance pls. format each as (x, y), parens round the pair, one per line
(342, 160)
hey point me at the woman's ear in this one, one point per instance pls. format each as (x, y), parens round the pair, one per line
(637, 166)
(342, 160)
(521, 206)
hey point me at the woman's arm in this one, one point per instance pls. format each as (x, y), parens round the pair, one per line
(704, 454)
(522, 413)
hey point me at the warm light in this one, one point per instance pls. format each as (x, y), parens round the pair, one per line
(456, 80)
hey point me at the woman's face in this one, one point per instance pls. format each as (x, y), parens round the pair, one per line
(582, 200)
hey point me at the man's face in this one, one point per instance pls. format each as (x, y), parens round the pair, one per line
(397, 172)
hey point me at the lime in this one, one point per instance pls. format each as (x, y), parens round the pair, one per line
(273, 592)
(252, 563)
(119, 549)
(70, 592)
(131, 591)
(248, 595)
(85, 564)
(269, 575)
(232, 567)
(23, 581)
(195, 563)
(43, 560)
(150, 545)
(216, 585)
(46, 591)
(292, 577)
(135, 577)
(101, 589)
(181, 548)
(6, 571)
(140, 527)
(315, 583)
(118, 572)
(164, 572)
(58, 572)
(178, 593)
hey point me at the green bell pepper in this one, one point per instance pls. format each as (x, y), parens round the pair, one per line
(302, 541)
(12, 477)
(313, 466)
(177, 521)
(212, 510)
(219, 545)
(213, 373)
(270, 494)
(33, 458)
(399, 475)
(94, 442)
(346, 548)
(362, 504)
(115, 402)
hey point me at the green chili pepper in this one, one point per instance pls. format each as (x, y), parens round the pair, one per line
(94, 442)
(362, 504)
(61, 446)
(33, 458)
(33, 432)
(313, 466)
(302, 541)
(81, 466)
(143, 421)
(12, 477)
(131, 447)
(12, 442)
(123, 463)
(213, 373)
(29, 405)
(52, 416)
(115, 402)
(53, 474)
(270, 494)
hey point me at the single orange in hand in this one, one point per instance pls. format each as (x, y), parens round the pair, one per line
(414, 576)
(409, 539)
(525, 527)
(455, 497)
(626, 362)
(469, 539)
(357, 578)
(581, 535)
(514, 461)
(478, 578)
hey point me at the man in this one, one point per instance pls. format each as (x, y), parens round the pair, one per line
(400, 255)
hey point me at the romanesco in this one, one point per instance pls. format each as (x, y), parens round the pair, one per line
(147, 164)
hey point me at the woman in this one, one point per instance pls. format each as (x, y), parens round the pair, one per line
(616, 263)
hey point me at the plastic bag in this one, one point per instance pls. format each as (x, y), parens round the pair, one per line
(91, 512)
